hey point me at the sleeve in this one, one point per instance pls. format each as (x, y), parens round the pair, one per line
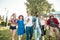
(48, 23)
(56, 21)
(23, 22)
(33, 19)
(39, 23)
(25, 19)
(17, 21)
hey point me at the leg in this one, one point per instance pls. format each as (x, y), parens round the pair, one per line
(39, 32)
(27, 33)
(42, 34)
(31, 33)
(13, 34)
(56, 33)
(35, 34)
(20, 37)
(51, 32)
(42, 37)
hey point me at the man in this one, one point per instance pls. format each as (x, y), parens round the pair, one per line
(29, 26)
(53, 24)
(37, 29)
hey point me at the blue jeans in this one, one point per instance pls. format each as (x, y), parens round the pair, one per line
(29, 32)
(37, 33)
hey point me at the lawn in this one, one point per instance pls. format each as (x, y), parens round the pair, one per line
(5, 35)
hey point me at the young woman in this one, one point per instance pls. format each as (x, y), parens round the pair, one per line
(37, 27)
(20, 23)
(42, 21)
(13, 22)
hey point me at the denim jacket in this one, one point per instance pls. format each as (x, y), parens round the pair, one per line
(34, 21)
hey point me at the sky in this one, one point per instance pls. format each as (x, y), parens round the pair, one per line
(12, 6)
(19, 7)
(56, 4)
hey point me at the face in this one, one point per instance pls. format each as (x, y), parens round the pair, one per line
(51, 16)
(21, 17)
(41, 17)
(37, 14)
(28, 13)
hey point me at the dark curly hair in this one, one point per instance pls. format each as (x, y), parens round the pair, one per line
(20, 16)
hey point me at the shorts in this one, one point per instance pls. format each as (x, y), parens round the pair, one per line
(43, 31)
(12, 27)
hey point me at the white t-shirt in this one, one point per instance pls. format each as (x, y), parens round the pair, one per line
(37, 24)
(42, 22)
(29, 23)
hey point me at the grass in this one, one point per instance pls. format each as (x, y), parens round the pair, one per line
(5, 35)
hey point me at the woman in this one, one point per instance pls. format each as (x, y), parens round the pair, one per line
(20, 23)
(37, 25)
(13, 22)
(42, 21)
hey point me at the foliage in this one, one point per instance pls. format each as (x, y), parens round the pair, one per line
(41, 6)
(3, 23)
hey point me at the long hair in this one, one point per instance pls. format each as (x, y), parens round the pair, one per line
(36, 14)
(13, 15)
(20, 16)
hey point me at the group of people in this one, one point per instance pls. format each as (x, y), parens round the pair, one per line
(35, 25)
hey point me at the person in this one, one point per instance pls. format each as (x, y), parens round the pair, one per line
(53, 24)
(37, 26)
(20, 23)
(43, 28)
(29, 26)
(13, 22)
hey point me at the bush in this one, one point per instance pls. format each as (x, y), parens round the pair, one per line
(3, 23)
(9, 24)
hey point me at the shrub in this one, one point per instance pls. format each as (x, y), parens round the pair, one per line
(9, 24)
(3, 23)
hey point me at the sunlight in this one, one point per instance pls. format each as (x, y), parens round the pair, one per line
(13, 6)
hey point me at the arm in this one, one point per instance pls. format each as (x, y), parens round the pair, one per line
(48, 23)
(56, 22)
(25, 20)
(34, 21)
(39, 23)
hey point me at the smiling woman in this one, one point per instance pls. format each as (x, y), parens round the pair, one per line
(12, 6)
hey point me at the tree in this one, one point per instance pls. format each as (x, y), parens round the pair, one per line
(0, 17)
(41, 6)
